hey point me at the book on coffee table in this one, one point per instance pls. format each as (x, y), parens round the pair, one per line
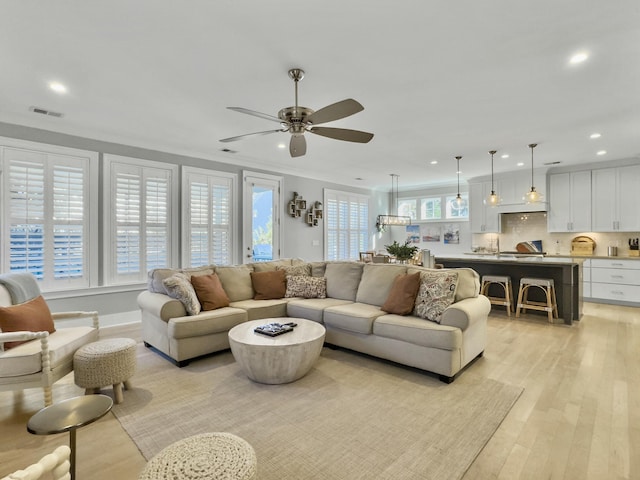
(274, 329)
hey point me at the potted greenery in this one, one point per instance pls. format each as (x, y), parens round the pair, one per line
(402, 252)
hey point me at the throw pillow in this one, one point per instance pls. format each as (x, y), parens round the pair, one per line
(269, 285)
(210, 292)
(402, 296)
(179, 287)
(302, 269)
(306, 287)
(31, 316)
(437, 291)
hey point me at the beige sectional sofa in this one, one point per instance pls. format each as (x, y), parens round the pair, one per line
(351, 314)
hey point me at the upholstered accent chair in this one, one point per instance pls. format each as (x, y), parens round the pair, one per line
(33, 356)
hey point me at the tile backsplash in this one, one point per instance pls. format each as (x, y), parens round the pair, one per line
(521, 227)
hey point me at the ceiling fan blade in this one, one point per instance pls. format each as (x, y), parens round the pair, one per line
(297, 146)
(343, 134)
(335, 111)
(255, 114)
(240, 137)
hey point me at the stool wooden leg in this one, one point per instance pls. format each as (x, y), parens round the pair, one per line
(507, 297)
(549, 304)
(117, 392)
(127, 385)
(520, 292)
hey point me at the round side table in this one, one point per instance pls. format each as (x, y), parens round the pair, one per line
(68, 416)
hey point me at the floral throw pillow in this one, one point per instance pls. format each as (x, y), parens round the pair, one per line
(179, 287)
(306, 287)
(437, 291)
(302, 269)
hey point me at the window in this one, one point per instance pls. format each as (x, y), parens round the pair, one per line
(347, 225)
(47, 217)
(457, 211)
(431, 208)
(140, 217)
(208, 213)
(407, 208)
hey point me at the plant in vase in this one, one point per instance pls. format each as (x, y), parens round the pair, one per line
(402, 252)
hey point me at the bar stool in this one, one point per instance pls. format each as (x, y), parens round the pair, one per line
(548, 287)
(505, 282)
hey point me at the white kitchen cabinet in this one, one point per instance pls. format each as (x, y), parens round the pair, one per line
(513, 187)
(614, 199)
(616, 280)
(570, 202)
(483, 218)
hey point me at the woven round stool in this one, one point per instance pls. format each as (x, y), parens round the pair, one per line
(211, 456)
(105, 362)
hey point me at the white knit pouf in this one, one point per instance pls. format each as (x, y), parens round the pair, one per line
(105, 362)
(211, 456)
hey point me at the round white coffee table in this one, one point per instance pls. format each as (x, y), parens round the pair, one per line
(281, 359)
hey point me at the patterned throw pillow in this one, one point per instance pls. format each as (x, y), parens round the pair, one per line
(302, 269)
(306, 287)
(437, 291)
(179, 287)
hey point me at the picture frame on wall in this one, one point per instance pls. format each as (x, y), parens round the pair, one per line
(431, 233)
(451, 234)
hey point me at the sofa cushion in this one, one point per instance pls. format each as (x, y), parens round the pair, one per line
(156, 276)
(258, 309)
(343, 280)
(299, 269)
(417, 331)
(318, 269)
(31, 316)
(179, 287)
(304, 286)
(210, 292)
(353, 317)
(236, 281)
(312, 308)
(437, 292)
(402, 297)
(271, 265)
(27, 358)
(209, 322)
(269, 284)
(376, 282)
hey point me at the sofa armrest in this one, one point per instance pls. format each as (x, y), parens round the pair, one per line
(466, 312)
(70, 315)
(162, 306)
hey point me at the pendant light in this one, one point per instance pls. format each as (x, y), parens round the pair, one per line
(493, 200)
(532, 196)
(392, 220)
(459, 201)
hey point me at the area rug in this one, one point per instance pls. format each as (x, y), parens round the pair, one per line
(352, 417)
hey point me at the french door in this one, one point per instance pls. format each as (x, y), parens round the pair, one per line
(261, 217)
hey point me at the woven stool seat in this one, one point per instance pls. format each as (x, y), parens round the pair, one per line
(505, 282)
(550, 305)
(211, 456)
(105, 362)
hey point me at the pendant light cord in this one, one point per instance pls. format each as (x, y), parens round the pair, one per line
(492, 152)
(532, 146)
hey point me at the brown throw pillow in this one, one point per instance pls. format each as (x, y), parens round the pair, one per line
(269, 285)
(210, 292)
(402, 295)
(31, 316)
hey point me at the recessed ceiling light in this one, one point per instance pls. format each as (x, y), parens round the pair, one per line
(57, 87)
(506, 155)
(519, 164)
(595, 135)
(601, 152)
(359, 178)
(282, 145)
(434, 162)
(578, 58)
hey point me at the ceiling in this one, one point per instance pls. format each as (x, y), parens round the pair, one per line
(437, 79)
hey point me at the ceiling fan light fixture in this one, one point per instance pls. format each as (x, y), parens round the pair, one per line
(493, 199)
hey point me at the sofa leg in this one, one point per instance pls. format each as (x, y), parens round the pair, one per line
(445, 379)
(148, 345)
(481, 354)
(182, 363)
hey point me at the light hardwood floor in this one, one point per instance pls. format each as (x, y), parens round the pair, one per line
(578, 417)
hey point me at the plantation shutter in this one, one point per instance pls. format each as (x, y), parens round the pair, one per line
(347, 225)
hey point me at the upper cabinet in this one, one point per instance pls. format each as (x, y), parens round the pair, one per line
(570, 202)
(614, 199)
(483, 219)
(513, 188)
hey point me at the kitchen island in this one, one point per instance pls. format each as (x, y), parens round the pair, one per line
(565, 272)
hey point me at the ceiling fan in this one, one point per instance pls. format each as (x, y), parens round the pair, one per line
(296, 120)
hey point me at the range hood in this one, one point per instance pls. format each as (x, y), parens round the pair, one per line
(522, 207)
